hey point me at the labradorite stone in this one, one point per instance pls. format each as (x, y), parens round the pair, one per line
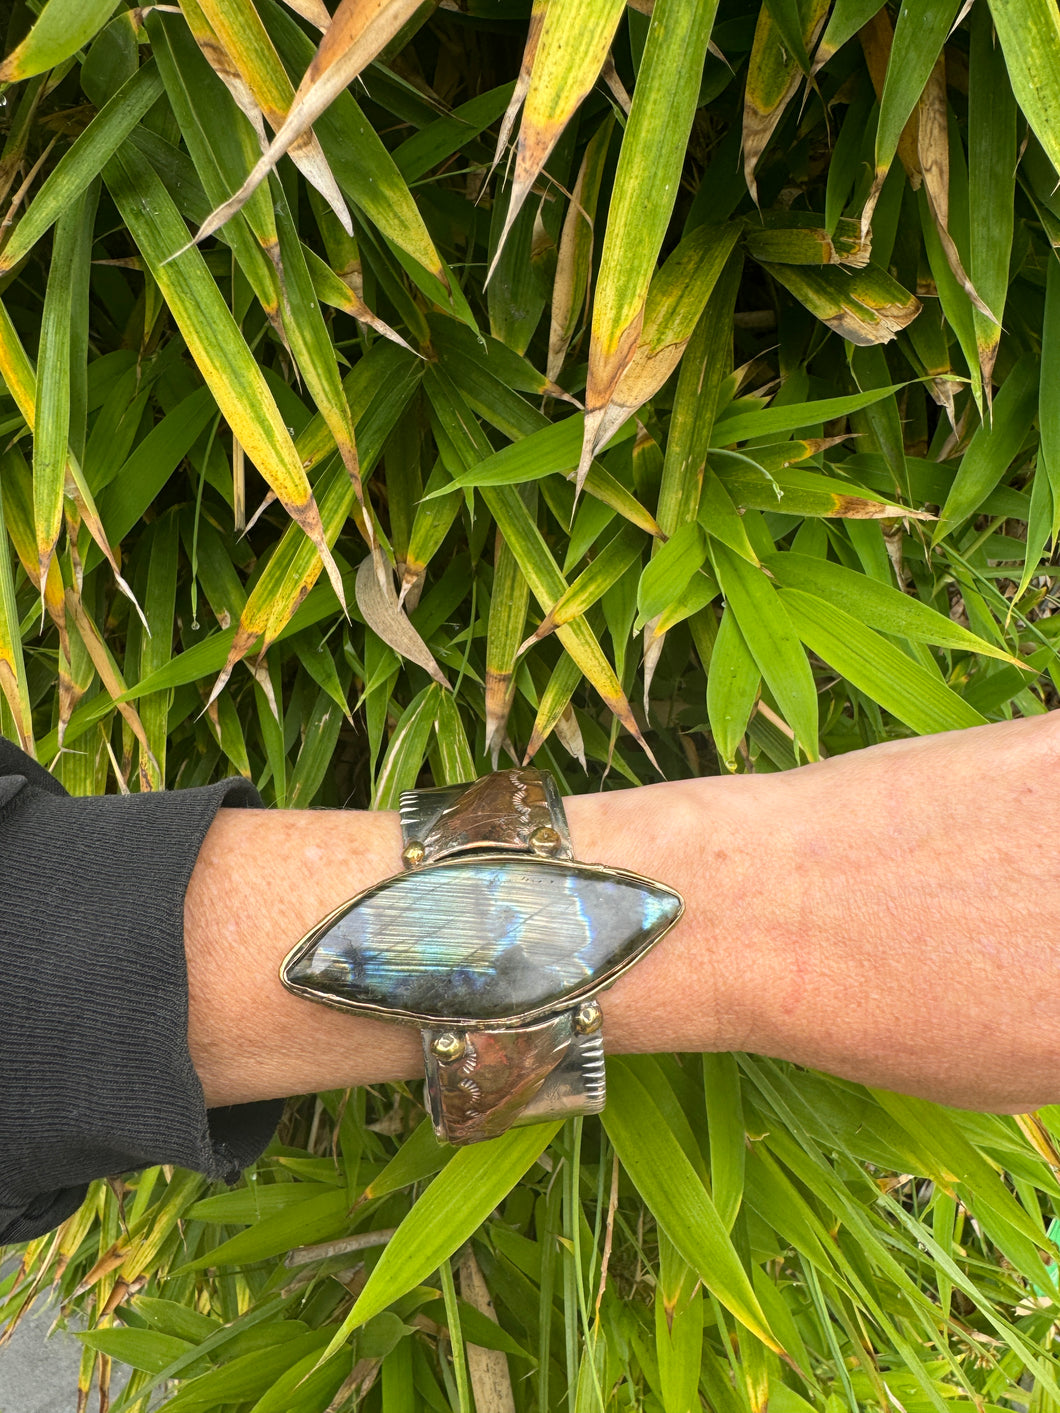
(476, 940)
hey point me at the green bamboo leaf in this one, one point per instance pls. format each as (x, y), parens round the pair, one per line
(993, 447)
(216, 343)
(1029, 31)
(774, 71)
(363, 167)
(793, 491)
(877, 668)
(313, 1218)
(509, 598)
(248, 1375)
(149, 1350)
(679, 1317)
(444, 1217)
(791, 417)
(728, 1139)
(876, 604)
(407, 749)
(156, 648)
(232, 35)
(320, 733)
(12, 664)
(83, 161)
(645, 190)
(548, 586)
(669, 571)
(216, 134)
(918, 39)
(847, 17)
(563, 682)
(454, 752)
(733, 684)
(1049, 407)
(669, 1184)
(606, 568)
(705, 366)
(51, 425)
(992, 165)
(772, 641)
(60, 30)
(314, 351)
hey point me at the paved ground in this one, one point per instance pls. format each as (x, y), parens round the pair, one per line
(37, 1374)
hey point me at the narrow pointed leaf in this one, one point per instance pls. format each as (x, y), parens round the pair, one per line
(216, 343)
(60, 30)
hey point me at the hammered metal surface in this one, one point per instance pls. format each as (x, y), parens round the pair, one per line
(518, 1076)
(482, 939)
(499, 811)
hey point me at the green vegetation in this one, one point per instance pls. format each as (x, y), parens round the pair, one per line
(731, 461)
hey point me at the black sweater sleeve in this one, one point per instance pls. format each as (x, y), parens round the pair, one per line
(95, 1073)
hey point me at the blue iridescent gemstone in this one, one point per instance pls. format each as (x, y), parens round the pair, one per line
(482, 939)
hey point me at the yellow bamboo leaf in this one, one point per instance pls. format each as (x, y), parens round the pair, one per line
(20, 377)
(12, 666)
(522, 82)
(676, 298)
(642, 201)
(109, 675)
(574, 42)
(570, 289)
(933, 154)
(250, 52)
(215, 342)
(359, 30)
(773, 78)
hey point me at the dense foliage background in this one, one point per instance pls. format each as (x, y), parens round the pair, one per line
(301, 502)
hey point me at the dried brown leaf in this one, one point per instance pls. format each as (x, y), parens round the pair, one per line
(378, 602)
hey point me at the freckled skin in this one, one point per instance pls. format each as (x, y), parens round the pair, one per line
(892, 915)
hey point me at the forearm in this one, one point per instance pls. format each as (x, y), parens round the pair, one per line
(890, 916)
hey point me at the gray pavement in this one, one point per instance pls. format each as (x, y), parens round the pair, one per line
(39, 1374)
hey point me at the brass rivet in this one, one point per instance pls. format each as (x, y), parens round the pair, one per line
(448, 1046)
(544, 840)
(588, 1018)
(413, 853)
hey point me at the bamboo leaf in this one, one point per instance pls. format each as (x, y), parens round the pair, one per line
(993, 447)
(60, 30)
(672, 1189)
(83, 161)
(772, 640)
(357, 32)
(51, 417)
(875, 667)
(378, 602)
(237, 29)
(645, 190)
(1029, 32)
(733, 685)
(773, 75)
(876, 604)
(216, 343)
(12, 663)
(560, 77)
(446, 1214)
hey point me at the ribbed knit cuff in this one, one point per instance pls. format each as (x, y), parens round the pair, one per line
(95, 1073)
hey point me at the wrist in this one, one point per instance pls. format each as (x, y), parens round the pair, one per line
(701, 987)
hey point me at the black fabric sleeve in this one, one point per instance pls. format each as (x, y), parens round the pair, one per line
(95, 1073)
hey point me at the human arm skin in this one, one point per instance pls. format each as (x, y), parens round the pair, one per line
(891, 916)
